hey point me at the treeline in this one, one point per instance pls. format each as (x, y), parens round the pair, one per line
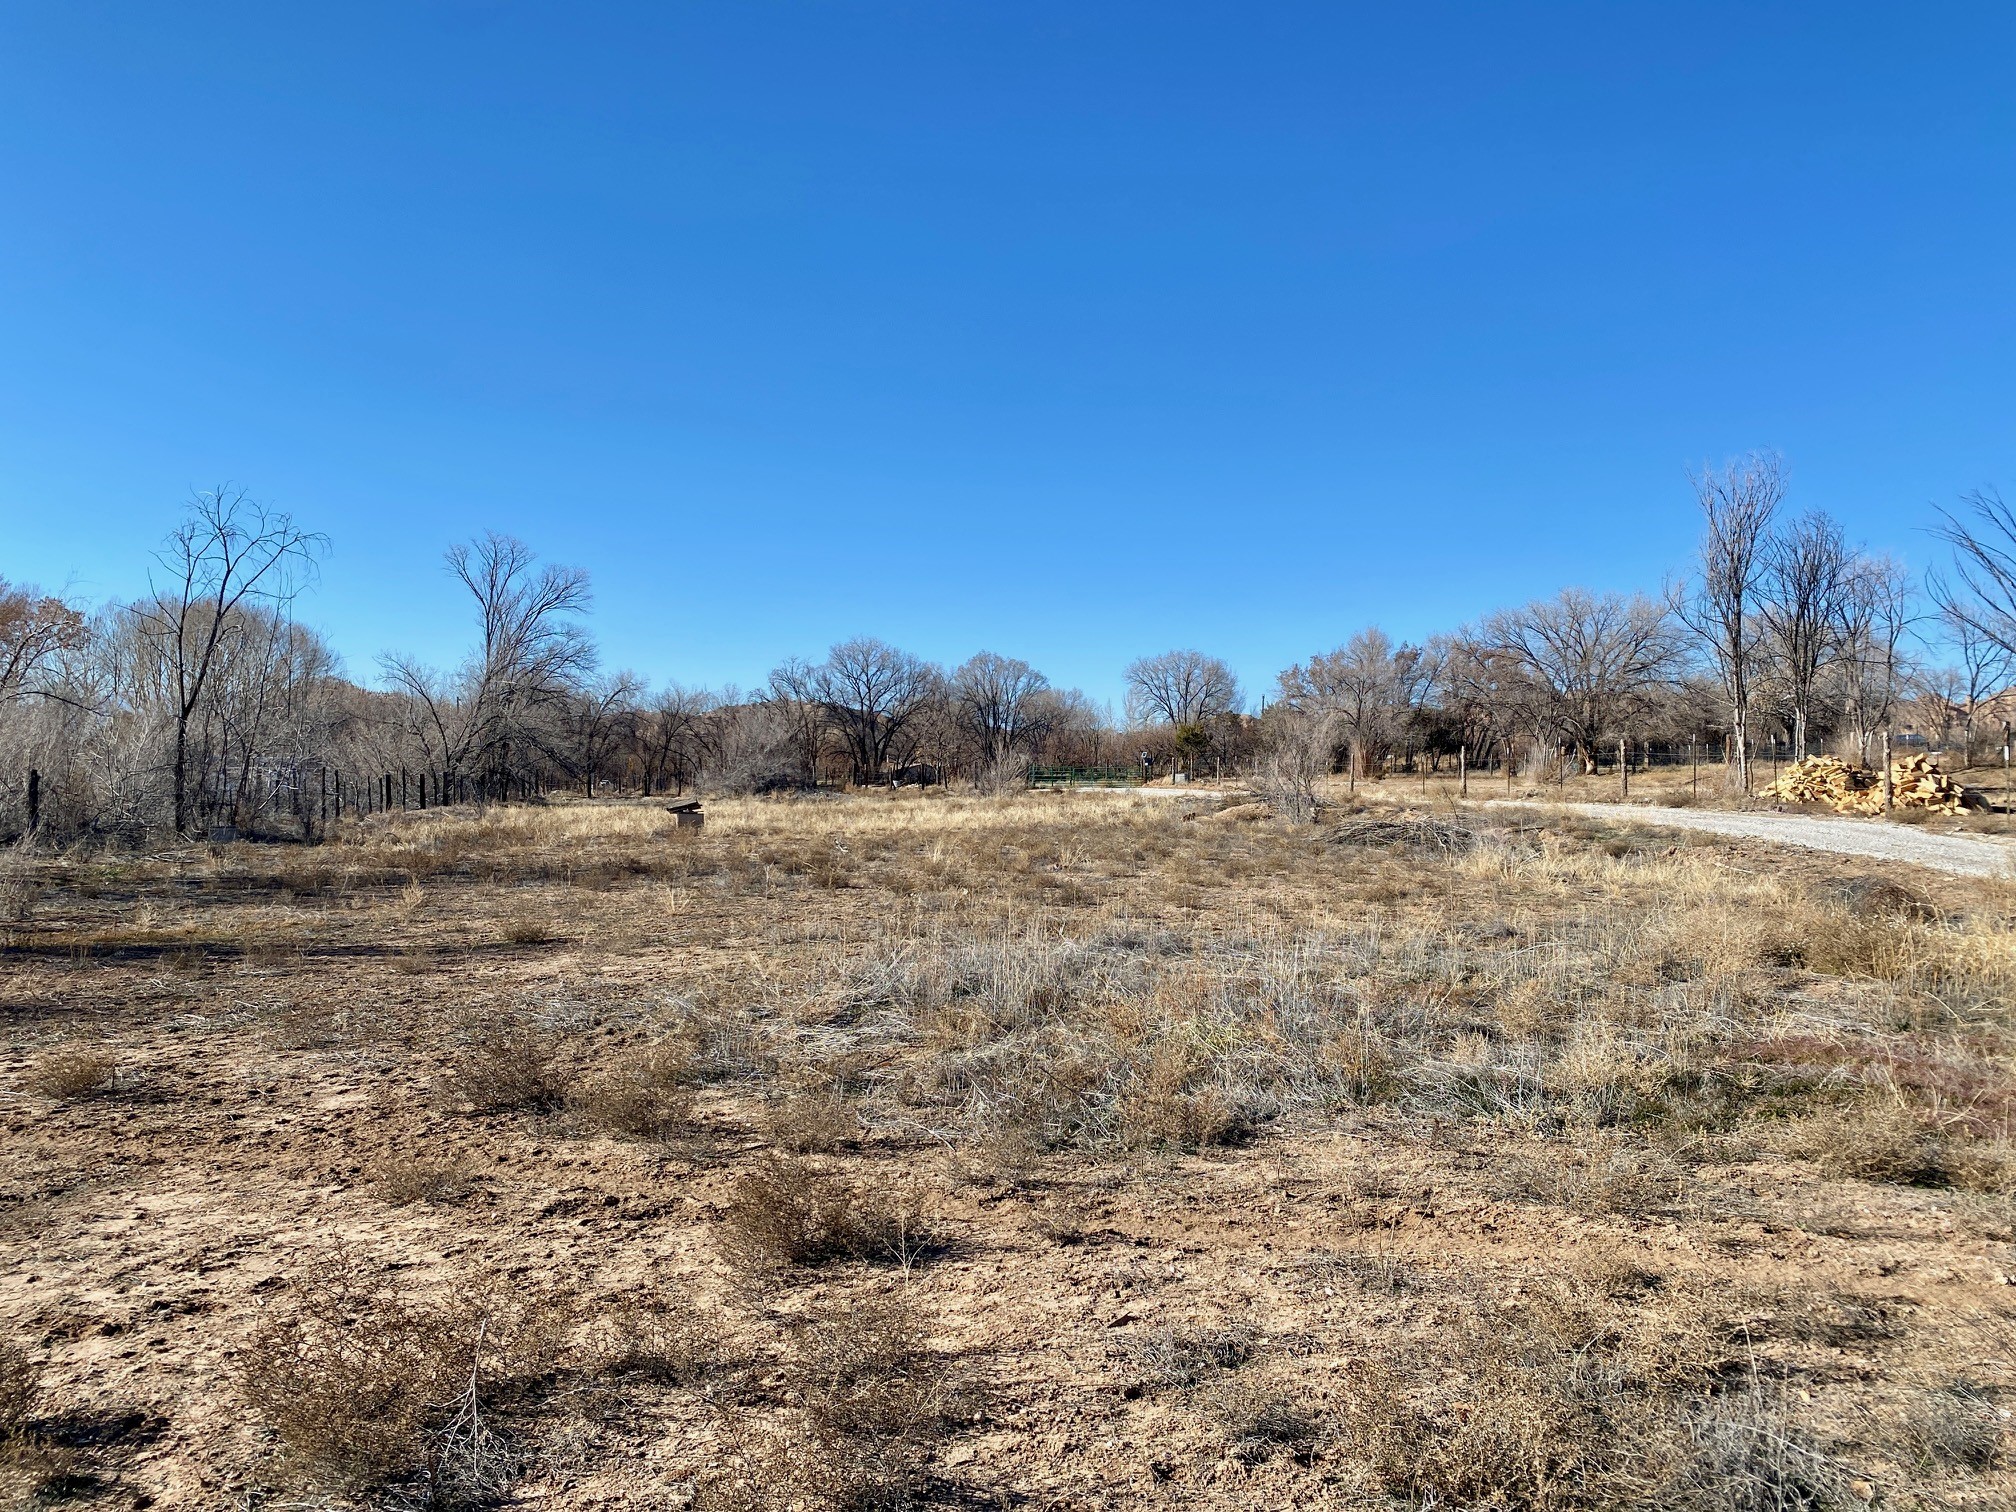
(207, 704)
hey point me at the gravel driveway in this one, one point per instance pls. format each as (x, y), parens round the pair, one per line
(1962, 855)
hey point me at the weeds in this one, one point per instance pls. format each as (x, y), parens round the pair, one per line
(366, 1383)
(401, 1179)
(503, 1067)
(785, 1213)
(1185, 1355)
(74, 1072)
(648, 1098)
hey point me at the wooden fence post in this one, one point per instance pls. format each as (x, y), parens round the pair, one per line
(1623, 767)
(1888, 785)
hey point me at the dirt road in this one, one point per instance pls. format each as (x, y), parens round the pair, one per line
(1960, 855)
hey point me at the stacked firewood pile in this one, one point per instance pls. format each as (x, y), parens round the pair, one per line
(1915, 783)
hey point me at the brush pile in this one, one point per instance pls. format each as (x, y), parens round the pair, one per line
(1914, 781)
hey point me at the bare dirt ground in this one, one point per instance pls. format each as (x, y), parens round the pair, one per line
(1040, 1152)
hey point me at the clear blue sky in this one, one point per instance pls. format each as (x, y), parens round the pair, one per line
(1072, 331)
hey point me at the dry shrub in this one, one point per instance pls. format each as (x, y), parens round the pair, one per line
(1544, 1412)
(649, 1098)
(20, 1390)
(400, 1179)
(1742, 1453)
(1504, 1434)
(73, 1072)
(1185, 1354)
(787, 1213)
(660, 1338)
(1259, 1419)
(1597, 1173)
(1876, 1142)
(502, 1067)
(368, 1382)
(1167, 1105)
(875, 1399)
(527, 929)
(1378, 1271)
(812, 1120)
(1956, 1425)
(718, 1043)
(862, 1370)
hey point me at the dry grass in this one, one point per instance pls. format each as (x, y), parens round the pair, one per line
(1557, 1165)
(402, 1178)
(20, 1391)
(74, 1072)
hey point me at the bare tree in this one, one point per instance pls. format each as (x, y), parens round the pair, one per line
(999, 704)
(1804, 589)
(1370, 689)
(1876, 616)
(35, 630)
(872, 694)
(600, 717)
(532, 654)
(1180, 688)
(1984, 667)
(1739, 503)
(1595, 659)
(232, 552)
(1984, 560)
(675, 738)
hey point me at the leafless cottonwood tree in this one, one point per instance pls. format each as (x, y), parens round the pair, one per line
(1808, 570)
(675, 737)
(601, 717)
(1876, 616)
(533, 652)
(1369, 689)
(35, 629)
(1595, 661)
(999, 705)
(232, 552)
(1721, 606)
(872, 694)
(1180, 688)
